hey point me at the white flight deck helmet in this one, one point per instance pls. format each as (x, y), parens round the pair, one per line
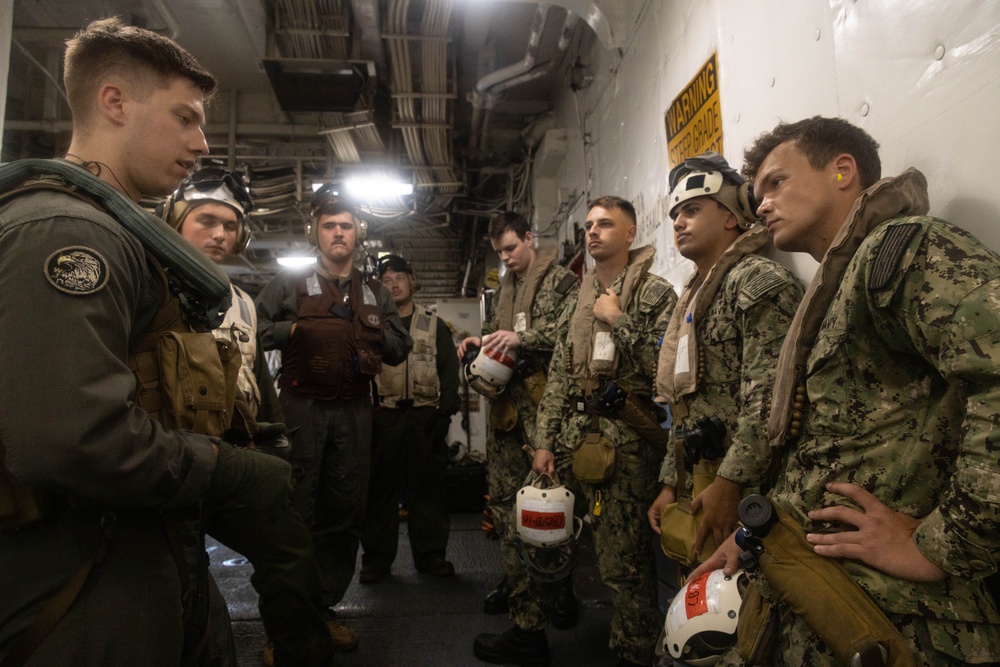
(490, 371)
(701, 621)
(709, 175)
(547, 527)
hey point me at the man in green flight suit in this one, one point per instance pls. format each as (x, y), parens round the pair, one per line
(335, 328)
(535, 295)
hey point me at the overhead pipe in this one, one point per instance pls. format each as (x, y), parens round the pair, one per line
(534, 73)
(480, 96)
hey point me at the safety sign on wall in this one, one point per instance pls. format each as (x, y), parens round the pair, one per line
(694, 118)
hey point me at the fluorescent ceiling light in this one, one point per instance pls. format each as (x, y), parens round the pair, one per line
(370, 188)
(296, 261)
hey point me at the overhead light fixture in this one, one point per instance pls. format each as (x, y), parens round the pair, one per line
(297, 261)
(374, 188)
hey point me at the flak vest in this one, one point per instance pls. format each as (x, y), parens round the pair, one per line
(336, 349)
(416, 378)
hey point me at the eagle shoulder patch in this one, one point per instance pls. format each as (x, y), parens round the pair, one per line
(76, 270)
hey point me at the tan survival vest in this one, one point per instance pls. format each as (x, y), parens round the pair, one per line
(416, 378)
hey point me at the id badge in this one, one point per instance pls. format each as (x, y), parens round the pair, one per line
(604, 347)
(520, 323)
(682, 364)
(312, 286)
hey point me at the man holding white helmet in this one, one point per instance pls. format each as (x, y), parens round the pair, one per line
(718, 355)
(535, 294)
(597, 415)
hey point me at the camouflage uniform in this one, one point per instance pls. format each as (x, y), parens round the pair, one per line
(739, 339)
(901, 383)
(509, 454)
(621, 530)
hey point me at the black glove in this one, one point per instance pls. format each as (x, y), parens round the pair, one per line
(272, 438)
(244, 478)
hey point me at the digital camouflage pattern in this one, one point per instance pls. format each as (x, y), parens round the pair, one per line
(902, 385)
(509, 455)
(739, 340)
(621, 530)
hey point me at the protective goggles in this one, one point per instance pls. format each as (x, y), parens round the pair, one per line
(217, 184)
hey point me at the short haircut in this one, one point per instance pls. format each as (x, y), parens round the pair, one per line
(508, 221)
(108, 49)
(610, 202)
(335, 206)
(821, 139)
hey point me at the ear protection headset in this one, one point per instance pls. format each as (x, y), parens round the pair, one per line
(211, 184)
(327, 201)
(709, 175)
(397, 263)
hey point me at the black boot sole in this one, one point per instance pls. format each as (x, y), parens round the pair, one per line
(503, 658)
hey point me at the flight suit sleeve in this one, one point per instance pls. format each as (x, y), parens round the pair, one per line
(637, 333)
(277, 311)
(765, 306)
(447, 368)
(397, 343)
(69, 422)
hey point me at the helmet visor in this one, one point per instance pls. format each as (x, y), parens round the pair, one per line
(218, 185)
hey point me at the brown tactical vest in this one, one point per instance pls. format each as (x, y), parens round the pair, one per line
(337, 346)
(184, 380)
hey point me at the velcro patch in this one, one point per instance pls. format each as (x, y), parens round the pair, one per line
(762, 285)
(76, 270)
(886, 260)
(566, 284)
(654, 293)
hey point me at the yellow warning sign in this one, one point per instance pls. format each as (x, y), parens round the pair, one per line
(694, 118)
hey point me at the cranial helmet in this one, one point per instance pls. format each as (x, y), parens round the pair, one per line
(211, 185)
(490, 371)
(547, 527)
(701, 621)
(400, 265)
(709, 175)
(328, 201)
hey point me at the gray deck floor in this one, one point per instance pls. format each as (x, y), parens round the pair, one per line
(423, 621)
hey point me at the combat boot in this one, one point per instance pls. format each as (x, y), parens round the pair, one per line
(344, 639)
(528, 648)
(495, 601)
(565, 610)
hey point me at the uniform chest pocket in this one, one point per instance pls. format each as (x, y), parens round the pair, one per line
(829, 382)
